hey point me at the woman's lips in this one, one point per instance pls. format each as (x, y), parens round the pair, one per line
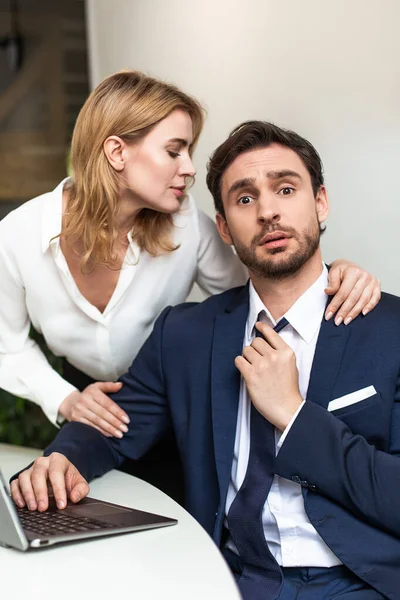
(179, 192)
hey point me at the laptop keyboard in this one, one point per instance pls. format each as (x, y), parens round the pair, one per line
(57, 523)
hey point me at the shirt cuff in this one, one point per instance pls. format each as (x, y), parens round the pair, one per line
(287, 429)
(53, 396)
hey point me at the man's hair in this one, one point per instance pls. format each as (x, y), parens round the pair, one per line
(253, 135)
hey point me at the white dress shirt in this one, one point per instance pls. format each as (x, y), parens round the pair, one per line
(291, 538)
(37, 287)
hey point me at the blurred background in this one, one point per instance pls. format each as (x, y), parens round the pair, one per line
(329, 70)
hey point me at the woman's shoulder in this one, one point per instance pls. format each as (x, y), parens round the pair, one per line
(27, 219)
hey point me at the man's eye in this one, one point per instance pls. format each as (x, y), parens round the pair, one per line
(245, 200)
(173, 154)
(286, 191)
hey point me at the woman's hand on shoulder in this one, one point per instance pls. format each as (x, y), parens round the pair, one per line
(93, 407)
(354, 291)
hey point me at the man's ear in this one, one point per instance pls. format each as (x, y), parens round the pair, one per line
(223, 229)
(114, 150)
(322, 204)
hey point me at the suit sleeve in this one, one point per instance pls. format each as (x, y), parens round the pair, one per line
(322, 451)
(143, 398)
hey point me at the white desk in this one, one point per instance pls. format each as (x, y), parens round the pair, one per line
(178, 563)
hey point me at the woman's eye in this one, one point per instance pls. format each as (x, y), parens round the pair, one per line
(173, 154)
(245, 200)
(286, 191)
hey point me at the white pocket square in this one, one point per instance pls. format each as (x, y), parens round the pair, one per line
(352, 398)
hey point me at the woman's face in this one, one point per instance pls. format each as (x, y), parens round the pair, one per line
(155, 168)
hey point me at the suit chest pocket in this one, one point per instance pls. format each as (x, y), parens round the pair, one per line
(367, 418)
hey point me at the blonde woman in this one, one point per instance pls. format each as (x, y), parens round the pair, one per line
(92, 264)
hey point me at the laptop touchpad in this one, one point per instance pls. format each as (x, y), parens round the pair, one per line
(96, 510)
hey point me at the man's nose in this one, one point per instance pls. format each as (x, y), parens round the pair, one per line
(268, 208)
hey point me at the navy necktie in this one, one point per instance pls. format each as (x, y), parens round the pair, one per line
(261, 578)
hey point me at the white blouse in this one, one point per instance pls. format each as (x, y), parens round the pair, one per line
(37, 287)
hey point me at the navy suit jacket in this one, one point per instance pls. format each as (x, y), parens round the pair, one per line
(184, 378)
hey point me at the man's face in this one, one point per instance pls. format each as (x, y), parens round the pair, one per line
(271, 214)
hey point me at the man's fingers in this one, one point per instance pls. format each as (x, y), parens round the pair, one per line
(39, 483)
(25, 485)
(270, 336)
(243, 366)
(261, 346)
(16, 494)
(250, 354)
(57, 474)
(78, 488)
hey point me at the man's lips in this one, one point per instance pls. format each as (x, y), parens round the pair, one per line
(275, 239)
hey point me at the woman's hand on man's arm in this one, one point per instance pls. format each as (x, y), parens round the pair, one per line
(93, 407)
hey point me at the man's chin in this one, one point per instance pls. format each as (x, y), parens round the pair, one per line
(278, 265)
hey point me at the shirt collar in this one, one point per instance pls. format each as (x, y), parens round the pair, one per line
(304, 316)
(52, 217)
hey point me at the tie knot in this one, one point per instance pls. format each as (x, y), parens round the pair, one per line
(278, 327)
(281, 325)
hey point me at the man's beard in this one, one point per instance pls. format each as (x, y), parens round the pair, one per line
(308, 241)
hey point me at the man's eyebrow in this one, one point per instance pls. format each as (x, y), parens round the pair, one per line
(282, 174)
(241, 183)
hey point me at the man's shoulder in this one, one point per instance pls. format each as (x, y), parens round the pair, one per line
(199, 313)
(385, 316)
(389, 306)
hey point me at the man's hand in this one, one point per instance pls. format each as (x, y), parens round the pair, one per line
(268, 367)
(93, 407)
(354, 290)
(31, 487)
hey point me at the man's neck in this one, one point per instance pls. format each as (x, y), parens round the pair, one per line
(278, 296)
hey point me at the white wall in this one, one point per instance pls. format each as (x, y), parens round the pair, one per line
(330, 70)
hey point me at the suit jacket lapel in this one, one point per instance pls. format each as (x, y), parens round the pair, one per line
(329, 351)
(225, 383)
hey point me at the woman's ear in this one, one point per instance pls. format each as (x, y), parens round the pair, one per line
(113, 149)
(223, 229)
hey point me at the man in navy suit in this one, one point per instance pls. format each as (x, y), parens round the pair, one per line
(288, 437)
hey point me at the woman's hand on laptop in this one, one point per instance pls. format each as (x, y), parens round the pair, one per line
(56, 472)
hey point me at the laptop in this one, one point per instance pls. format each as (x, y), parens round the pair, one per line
(23, 529)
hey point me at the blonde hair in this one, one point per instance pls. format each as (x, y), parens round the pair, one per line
(127, 104)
